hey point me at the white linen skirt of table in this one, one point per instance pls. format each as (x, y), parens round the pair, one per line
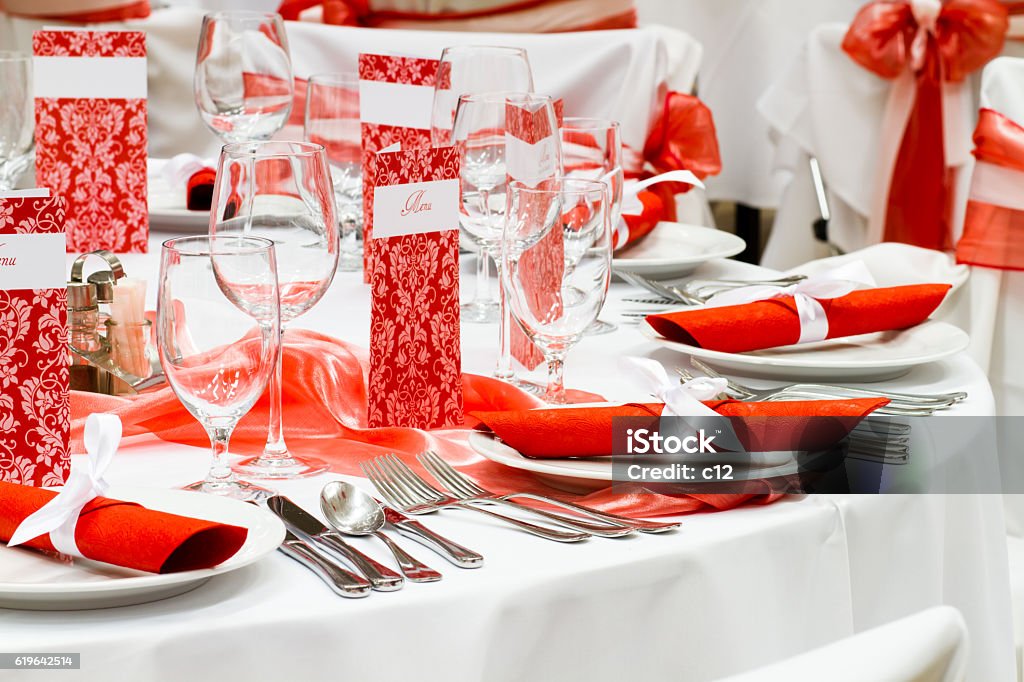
(729, 592)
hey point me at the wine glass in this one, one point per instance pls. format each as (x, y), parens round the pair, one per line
(557, 257)
(17, 118)
(592, 149)
(281, 191)
(469, 70)
(332, 119)
(243, 82)
(218, 332)
(481, 133)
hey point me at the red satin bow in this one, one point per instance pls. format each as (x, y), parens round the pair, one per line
(994, 235)
(683, 138)
(936, 42)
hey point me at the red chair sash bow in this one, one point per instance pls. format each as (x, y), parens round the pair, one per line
(682, 138)
(933, 43)
(994, 222)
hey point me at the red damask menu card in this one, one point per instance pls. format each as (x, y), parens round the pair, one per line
(396, 96)
(34, 411)
(90, 93)
(415, 353)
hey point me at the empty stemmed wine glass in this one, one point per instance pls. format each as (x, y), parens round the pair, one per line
(281, 191)
(217, 328)
(332, 119)
(592, 150)
(17, 118)
(556, 253)
(482, 135)
(243, 82)
(472, 70)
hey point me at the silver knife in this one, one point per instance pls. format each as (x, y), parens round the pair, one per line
(344, 583)
(307, 526)
(454, 552)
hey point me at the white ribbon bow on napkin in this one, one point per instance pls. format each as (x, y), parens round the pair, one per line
(813, 320)
(684, 399)
(631, 204)
(59, 516)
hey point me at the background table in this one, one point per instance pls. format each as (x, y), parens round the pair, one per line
(727, 592)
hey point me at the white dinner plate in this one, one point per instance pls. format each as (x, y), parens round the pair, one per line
(30, 580)
(583, 476)
(674, 250)
(167, 205)
(867, 357)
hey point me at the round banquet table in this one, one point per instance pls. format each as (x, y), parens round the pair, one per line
(728, 592)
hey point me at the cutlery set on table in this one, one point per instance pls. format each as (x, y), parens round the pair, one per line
(350, 511)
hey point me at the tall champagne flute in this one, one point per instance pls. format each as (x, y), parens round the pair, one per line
(470, 70)
(332, 119)
(557, 255)
(482, 136)
(592, 150)
(217, 328)
(243, 82)
(281, 191)
(17, 120)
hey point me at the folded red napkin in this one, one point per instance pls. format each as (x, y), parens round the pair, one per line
(774, 322)
(128, 534)
(551, 433)
(635, 227)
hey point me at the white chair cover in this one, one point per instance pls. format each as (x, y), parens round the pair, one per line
(622, 74)
(614, 74)
(930, 646)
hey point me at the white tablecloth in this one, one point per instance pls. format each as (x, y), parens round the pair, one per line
(728, 592)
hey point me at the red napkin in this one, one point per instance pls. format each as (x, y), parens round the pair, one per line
(639, 226)
(552, 433)
(772, 323)
(127, 534)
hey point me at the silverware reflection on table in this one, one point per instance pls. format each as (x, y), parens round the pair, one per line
(308, 527)
(407, 491)
(341, 581)
(352, 512)
(413, 529)
(465, 487)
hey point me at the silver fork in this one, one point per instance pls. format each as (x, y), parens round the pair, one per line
(443, 472)
(794, 392)
(909, 399)
(455, 488)
(698, 292)
(406, 491)
(662, 290)
(467, 487)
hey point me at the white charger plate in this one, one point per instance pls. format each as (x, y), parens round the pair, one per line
(583, 476)
(867, 357)
(674, 250)
(29, 580)
(167, 205)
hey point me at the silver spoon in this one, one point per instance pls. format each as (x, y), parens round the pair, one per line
(354, 512)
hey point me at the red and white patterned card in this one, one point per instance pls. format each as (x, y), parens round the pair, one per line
(90, 90)
(34, 411)
(396, 95)
(531, 146)
(415, 349)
